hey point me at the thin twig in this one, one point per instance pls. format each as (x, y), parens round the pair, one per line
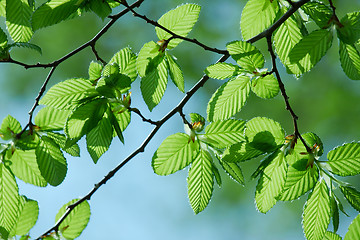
(137, 111)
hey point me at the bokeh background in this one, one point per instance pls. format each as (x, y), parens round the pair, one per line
(136, 203)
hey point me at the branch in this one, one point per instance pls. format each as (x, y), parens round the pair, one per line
(137, 111)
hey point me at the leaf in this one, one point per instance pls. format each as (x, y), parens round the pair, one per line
(25, 45)
(264, 134)
(246, 55)
(349, 33)
(51, 162)
(240, 152)
(221, 70)
(350, 60)
(175, 72)
(180, 21)
(52, 119)
(228, 99)
(354, 229)
(9, 128)
(95, 70)
(345, 160)
(53, 12)
(126, 60)
(27, 216)
(319, 12)
(256, 16)
(60, 139)
(316, 217)
(147, 54)
(265, 87)
(98, 140)
(334, 212)
(225, 133)
(25, 167)
(352, 195)
(314, 45)
(3, 38)
(153, 85)
(18, 16)
(64, 94)
(271, 182)
(175, 152)
(200, 181)
(9, 198)
(331, 236)
(100, 8)
(234, 171)
(216, 175)
(85, 118)
(76, 221)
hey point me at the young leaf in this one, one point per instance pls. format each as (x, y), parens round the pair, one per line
(228, 99)
(221, 70)
(147, 54)
(257, 15)
(18, 16)
(153, 85)
(24, 45)
(180, 21)
(354, 229)
(9, 198)
(318, 12)
(314, 45)
(53, 12)
(265, 87)
(9, 128)
(225, 133)
(316, 216)
(345, 160)
(52, 119)
(216, 175)
(200, 181)
(3, 39)
(95, 70)
(240, 152)
(271, 182)
(100, 8)
(175, 152)
(349, 33)
(246, 55)
(352, 195)
(25, 167)
(60, 139)
(76, 221)
(331, 236)
(27, 216)
(233, 170)
(264, 134)
(64, 94)
(51, 162)
(175, 72)
(126, 60)
(123, 118)
(350, 60)
(334, 212)
(98, 140)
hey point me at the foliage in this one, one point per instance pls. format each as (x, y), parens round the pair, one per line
(98, 108)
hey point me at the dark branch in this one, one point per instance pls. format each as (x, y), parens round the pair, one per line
(137, 111)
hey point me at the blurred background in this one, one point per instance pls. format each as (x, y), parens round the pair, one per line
(136, 203)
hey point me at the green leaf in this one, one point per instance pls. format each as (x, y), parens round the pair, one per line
(180, 21)
(256, 16)
(316, 217)
(126, 60)
(24, 45)
(286, 37)
(100, 8)
(85, 118)
(25, 167)
(225, 133)
(153, 85)
(76, 221)
(246, 55)
(334, 212)
(18, 16)
(352, 195)
(3, 8)
(228, 99)
(350, 60)
(175, 152)
(9, 128)
(9, 198)
(264, 134)
(265, 87)
(53, 12)
(175, 72)
(331, 236)
(147, 54)
(345, 160)
(319, 12)
(221, 70)
(195, 117)
(354, 229)
(123, 118)
(3, 38)
(60, 139)
(64, 94)
(49, 118)
(98, 140)
(271, 182)
(234, 171)
(240, 152)
(349, 33)
(51, 162)
(315, 45)
(95, 69)
(27, 216)
(29, 140)
(200, 181)
(216, 175)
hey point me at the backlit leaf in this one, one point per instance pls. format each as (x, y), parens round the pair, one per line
(349, 33)
(175, 72)
(240, 152)
(221, 70)
(9, 128)
(331, 236)
(100, 8)
(318, 12)
(352, 195)
(126, 61)
(60, 139)
(27, 216)
(18, 16)
(147, 54)
(3, 38)
(265, 87)
(350, 60)
(234, 171)
(345, 160)
(354, 229)
(49, 118)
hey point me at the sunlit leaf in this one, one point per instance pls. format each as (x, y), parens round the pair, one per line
(350, 60)
(3, 38)
(18, 16)
(175, 72)
(352, 195)
(234, 171)
(95, 69)
(9, 128)
(49, 118)
(221, 70)
(265, 87)
(60, 139)
(27, 216)
(345, 160)
(318, 12)
(354, 229)
(126, 61)
(100, 8)
(349, 33)
(240, 152)
(331, 236)
(147, 54)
